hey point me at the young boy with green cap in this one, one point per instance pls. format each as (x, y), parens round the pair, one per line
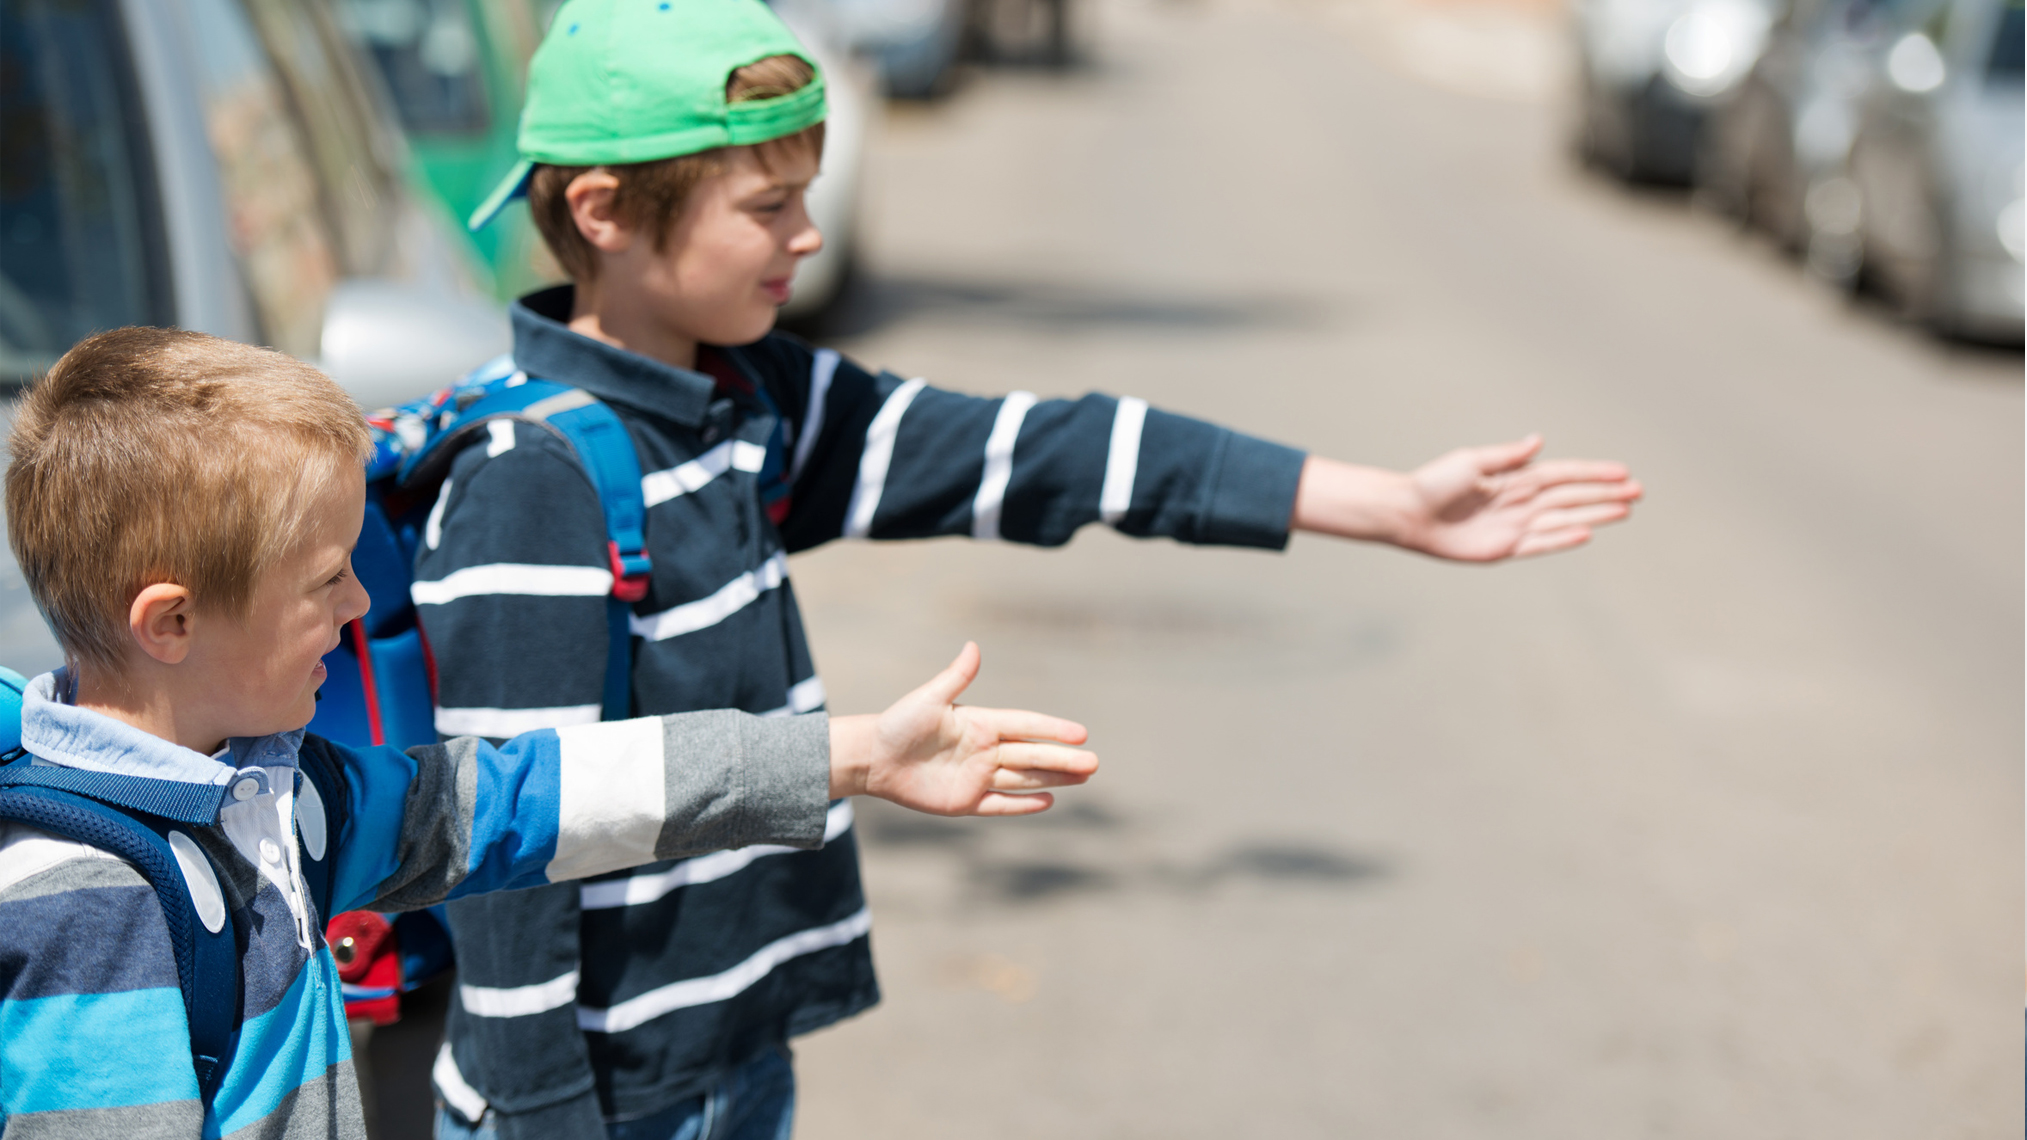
(667, 146)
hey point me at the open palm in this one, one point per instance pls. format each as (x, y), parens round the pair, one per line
(1484, 504)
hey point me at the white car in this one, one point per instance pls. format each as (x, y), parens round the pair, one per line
(1937, 170)
(1651, 73)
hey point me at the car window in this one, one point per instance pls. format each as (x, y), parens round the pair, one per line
(80, 238)
(2005, 64)
(428, 53)
(354, 160)
(275, 211)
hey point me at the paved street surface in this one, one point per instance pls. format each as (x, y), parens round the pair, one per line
(1710, 830)
(1713, 829)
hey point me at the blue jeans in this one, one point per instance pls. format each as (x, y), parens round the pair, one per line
(756, 1101)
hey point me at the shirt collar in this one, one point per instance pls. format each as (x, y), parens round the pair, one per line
(545, 347)
(55, 730)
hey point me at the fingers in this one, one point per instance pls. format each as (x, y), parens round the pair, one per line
(1551, 541)
(1548, 522)
(1584, 494)
(1021, 756)
(945, 687)
(996, 803)
(1034, 780)
(1556, 472)
(1493, 459)
(1020, 724)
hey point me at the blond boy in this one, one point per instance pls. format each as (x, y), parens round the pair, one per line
(184, 510)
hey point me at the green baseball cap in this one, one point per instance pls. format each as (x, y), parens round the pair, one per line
(619, 81)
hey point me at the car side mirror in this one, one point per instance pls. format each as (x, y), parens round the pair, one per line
(387, 342)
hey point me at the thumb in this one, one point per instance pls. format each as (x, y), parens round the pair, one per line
(1501, 457)
(945, 687)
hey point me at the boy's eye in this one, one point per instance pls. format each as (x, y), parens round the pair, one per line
(338, 577)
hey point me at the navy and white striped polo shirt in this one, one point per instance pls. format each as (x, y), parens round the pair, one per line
(622, 995)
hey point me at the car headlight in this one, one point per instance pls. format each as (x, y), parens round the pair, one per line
(2013, 228)
(1713, 45)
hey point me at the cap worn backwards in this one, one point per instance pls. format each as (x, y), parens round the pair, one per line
(620, 81)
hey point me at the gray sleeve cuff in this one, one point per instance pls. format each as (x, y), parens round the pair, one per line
(1251, 496)
(771, 786)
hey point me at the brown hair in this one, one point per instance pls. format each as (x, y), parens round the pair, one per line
(652, 193)
(157, 455)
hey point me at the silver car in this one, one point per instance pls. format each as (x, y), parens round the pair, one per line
(1653, 71)
(218, 165)
(1936, 172)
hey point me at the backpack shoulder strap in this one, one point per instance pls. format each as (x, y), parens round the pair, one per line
(207, 954)
(323, 807)
(598, 438)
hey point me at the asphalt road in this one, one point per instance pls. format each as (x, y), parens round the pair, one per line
(1712, 829)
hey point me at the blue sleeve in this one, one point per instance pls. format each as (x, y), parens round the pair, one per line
(465, 817)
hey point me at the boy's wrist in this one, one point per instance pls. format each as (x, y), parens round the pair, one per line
(1371, 504)
(852, 740)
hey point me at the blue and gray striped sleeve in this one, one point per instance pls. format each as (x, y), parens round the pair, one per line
(881, 457)
(465, 817)
(88, 994)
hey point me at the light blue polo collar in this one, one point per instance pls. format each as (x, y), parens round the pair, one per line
(55, 730)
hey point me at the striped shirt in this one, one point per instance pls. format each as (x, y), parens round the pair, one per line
(94, 1039)
(624, 995)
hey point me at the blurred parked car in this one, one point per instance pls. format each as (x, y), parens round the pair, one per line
(1788, 131)
(455, 72)
(1936, 171)
(218, 165)
(914, 44)
(1652, 72)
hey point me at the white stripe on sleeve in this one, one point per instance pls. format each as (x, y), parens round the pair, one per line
(432, 531)
(821, 371)
(519, 1001)
(733, 454)
(514, 578)
(501, 433)
(608, 894)
(612, 799)
(803, 696)
(877, 457)
(732, 597)
(718, 987)
(1122, 462)
(999, 449)
(501, 723)
(457, 1092)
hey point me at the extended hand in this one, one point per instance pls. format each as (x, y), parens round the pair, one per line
(928, 753)
(1475, 504)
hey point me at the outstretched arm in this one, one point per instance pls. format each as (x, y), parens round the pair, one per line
(1475, 504)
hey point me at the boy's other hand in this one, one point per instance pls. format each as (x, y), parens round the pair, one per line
(1475, 504)
(931, 754)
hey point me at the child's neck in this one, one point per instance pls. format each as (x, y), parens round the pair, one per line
(605, 315)
(151, 708)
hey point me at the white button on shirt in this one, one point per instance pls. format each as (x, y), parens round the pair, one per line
(261, 826)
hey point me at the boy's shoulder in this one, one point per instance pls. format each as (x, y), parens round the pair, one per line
(35, 863)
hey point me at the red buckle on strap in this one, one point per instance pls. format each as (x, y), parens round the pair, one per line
(625, 588)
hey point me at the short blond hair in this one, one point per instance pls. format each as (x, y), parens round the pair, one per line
(157, 455)
(651, 194)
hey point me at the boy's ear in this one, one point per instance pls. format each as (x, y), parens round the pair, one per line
(590, 196)
(161, 619)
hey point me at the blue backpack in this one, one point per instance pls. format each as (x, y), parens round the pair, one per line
(381, 686)
(379, 689)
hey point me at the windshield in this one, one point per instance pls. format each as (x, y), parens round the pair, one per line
(2005, 64)
(80, 242)
(428, 53)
